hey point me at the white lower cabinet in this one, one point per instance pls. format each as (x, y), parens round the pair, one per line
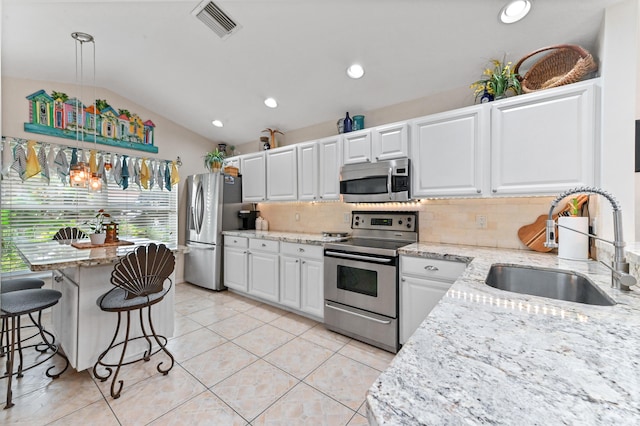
(288, 274)
(301, 278)
(236, 256)
(423, 282)
(263, 269)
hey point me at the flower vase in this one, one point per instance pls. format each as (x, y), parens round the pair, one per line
(97, 239)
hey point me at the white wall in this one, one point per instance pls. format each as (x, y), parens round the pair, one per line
(618, 55)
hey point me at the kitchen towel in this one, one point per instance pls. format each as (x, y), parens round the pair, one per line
(7, 158)
(175, 176)
(33, 166)
(62, 165)
(93, 162)
(116, 170)
(136, 172)
(144, 174)
(125, 173)
(19, 161)
(44, 164)
(167, 176)
(152, 173)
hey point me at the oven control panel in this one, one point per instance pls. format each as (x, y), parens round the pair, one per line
(385, 221)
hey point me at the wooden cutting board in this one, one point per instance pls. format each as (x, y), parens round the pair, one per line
(534, 235)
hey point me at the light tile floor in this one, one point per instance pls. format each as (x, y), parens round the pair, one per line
(238, 362)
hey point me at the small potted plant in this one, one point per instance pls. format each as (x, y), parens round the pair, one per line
(213, 160)
(497, 82)
(96, 225)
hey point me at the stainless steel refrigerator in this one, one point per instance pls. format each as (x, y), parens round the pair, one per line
(213, 202)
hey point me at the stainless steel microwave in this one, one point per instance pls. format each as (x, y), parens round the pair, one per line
(383, 181)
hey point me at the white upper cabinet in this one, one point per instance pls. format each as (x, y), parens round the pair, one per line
(376, 144)
(544, 143)
(357, 147)
(330, 161)
(448, 152)
(253, 168)
(282, 174)
(308, 172)
(390, 141)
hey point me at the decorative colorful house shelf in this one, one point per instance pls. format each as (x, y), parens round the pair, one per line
(57, 115)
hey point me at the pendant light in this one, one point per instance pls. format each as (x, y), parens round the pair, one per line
(79, 172)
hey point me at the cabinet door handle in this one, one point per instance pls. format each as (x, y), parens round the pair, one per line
(478, 190)
(494, 190)
(431, 268)
(301, 250)
(403, 280)
(58, 278)
(264, 245)
(235, 241)
(297, 261)
(304, 261)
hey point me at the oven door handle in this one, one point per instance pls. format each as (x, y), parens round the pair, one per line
(326, 305)
(357, 257)
(389, 187)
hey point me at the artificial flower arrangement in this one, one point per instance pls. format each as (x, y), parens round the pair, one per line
(213, 160)
(497, 82)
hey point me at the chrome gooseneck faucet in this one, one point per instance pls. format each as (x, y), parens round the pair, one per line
(620, 277)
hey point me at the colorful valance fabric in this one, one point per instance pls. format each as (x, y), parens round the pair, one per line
(30, 158)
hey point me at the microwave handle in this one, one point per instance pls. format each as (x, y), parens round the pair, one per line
(389, 177)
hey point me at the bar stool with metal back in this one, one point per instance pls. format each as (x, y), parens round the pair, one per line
(7, 286)
(27, 302)
(68, 234)
(139, 279)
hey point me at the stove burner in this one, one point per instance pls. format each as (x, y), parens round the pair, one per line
(335, 234)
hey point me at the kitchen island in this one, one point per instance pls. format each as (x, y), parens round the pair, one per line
(82, 275)
(487, 356)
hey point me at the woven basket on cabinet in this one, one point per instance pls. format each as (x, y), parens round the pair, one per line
(567, 63)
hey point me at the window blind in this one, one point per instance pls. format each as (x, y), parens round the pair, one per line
(35, 210)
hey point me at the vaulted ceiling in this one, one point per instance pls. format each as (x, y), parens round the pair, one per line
(158, 54)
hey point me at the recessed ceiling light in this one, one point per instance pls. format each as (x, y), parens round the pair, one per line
(217, 123)
(355, 71)
(514, 11)
(271, 103)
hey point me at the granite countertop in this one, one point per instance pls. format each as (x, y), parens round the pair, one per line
(50, 255)
(287, 237)
(486, 356)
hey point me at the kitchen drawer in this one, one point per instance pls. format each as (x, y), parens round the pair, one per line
(264, 245)
(431, 268)
(231, 241)
(302, 250)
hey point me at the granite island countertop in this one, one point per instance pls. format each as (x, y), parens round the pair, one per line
(50, 255)
(487, 356)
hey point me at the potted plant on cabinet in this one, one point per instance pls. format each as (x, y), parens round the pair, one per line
(497, 82)
(96, 225)
(213, 160)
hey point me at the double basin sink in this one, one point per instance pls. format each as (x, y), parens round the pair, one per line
(551, 283)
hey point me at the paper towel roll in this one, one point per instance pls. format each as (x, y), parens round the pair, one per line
(573, 245)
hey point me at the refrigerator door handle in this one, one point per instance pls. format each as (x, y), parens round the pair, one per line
(199, 208)
(201, 246)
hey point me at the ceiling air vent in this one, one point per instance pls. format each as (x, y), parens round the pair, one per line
(216, 19)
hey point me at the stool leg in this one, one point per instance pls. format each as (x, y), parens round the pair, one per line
(116, 395)
(147, 353)
(19, 348)
(10, 363)
(3, 330)
(103, 354)
(162, 345)
(42, 332)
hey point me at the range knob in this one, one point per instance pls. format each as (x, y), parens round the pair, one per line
(400, 222)
(356, 224)
(409, 219)
(409, 225)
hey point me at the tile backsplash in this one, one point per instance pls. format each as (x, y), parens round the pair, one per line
(453, 221)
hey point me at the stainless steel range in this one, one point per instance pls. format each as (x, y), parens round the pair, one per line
(361, 277)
